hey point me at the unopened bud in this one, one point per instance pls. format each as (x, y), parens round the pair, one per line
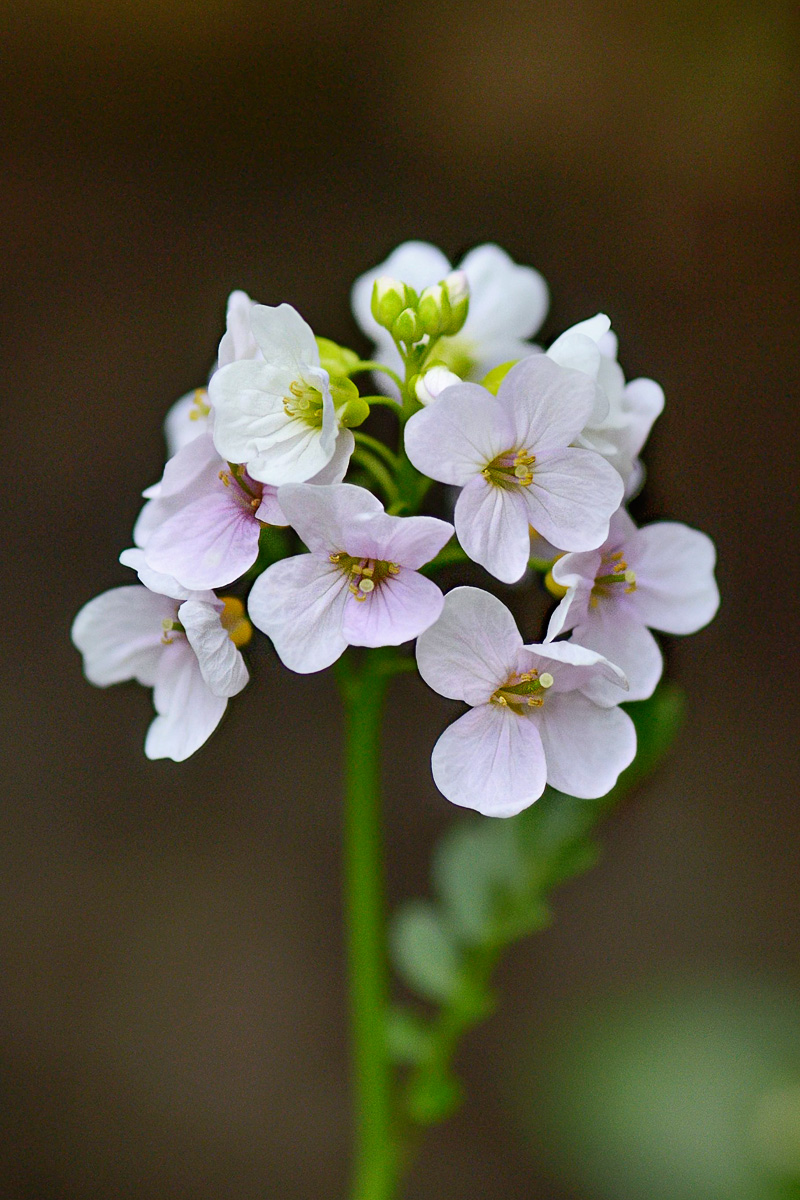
(434, 309)
(351, 409)
(431, 385)
(456, 286)
(407, 327)
(389, 298)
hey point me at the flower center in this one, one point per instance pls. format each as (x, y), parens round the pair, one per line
(169, 627)
(249, 491)
(523, 691)
(365, 573)
(200, 406)
(304, 402)
(512, 468)
(614, 571)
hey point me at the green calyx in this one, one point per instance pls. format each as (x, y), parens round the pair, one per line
(496, 376)
(351, 408)
(335, 359)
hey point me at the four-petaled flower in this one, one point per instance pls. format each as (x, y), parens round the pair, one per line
(184, 645)
(277, 417)
(359, 586)
(512, 457)
(532, 718)
(661, 576)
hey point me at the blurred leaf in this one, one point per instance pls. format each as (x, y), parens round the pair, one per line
(474, 861)
(423, 952)
(408, 1036)
(433, 1098)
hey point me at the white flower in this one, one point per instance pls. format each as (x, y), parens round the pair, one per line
(360, 584)
(506, 307)
(180, 647)
(431, 385)
(512, 458)
(619, 429)
(532, 721)
(277, 416)
(661, 576)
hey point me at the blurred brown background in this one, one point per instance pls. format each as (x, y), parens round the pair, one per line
(173, 995)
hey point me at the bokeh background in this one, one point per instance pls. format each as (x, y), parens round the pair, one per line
(173, 994)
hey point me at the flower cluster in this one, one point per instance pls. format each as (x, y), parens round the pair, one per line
(543, 448)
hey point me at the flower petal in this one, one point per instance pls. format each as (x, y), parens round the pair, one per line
(577, 573)
(119, 635)
(326, 515)
(573, 495)
(548, 405)
(298, 602)
(616, 633)
(585, 746)
(407, 541)
(454, 439)
(675, 586)
(283, 337)
(209, 543)
(221, 664)
(155, 581)
(506, 300)
(399, 609)
(492, 760)
(574, 667)
(188, 713)
(471, 649)
(237, 340)
(493, 527)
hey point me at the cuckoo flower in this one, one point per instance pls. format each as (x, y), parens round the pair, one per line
(507, 305)
(661, 576)
(359, 586)
(532, 720)
(278, 417)
(620, 430)
(191, 415)
(512, 457)
(184, 648)
(203, 521)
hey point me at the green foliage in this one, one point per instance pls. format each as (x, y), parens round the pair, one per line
(491, 880)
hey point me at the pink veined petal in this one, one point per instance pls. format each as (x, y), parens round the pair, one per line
(455, 438)
(269, 510)
(471, 649)
(188, 713)
(193, 471)
(155, 581)
(577, 573)
(507, 300)
(573, 495)
(585, 746)
(325, 515)
(575, 667)
(615, 632)
(548, 405)
(283, 337)
(407, 541)
(675, 586)
(399, 609)
(492, 524)
(492, 760)
(298, 602)
(209, 543)
(221, 664)
(119, 635)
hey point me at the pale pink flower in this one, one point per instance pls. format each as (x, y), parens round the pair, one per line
(661, 576)
(180, 647)
(512, 458)
(532, 720)
(360, 584)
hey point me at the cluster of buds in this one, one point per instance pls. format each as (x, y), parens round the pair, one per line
(272, 488)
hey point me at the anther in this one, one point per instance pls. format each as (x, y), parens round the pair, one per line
(334, 558)
(225, 477)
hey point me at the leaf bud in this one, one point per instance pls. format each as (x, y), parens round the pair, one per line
(407, 327)
(389, 298)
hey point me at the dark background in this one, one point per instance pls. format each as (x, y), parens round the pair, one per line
(173, 996)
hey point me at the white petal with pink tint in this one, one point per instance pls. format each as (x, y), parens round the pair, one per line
(585, 746)
(472, 648)
(490, 760)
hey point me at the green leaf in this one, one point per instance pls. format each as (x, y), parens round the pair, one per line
(475, 861)
(423, 951)
(408, 1036)
(433, 1097)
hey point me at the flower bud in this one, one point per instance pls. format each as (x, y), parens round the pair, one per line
(434, 309)
(456, 286)
(389, 298)
(407, 327)
(496, 376)
(351, 409)
(337, 360)
(430, 386)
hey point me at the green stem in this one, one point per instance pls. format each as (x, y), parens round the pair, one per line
(363, 689)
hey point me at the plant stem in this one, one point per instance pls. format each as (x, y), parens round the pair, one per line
(363, 687)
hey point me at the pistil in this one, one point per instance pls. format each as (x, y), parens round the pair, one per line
(510, 469)
(524, 691)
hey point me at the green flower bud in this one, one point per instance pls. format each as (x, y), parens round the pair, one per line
(351, 409)
(407, 327)
(434, 309)
(456, 286)
(337, 360)
(496, 376)
(389, 298)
